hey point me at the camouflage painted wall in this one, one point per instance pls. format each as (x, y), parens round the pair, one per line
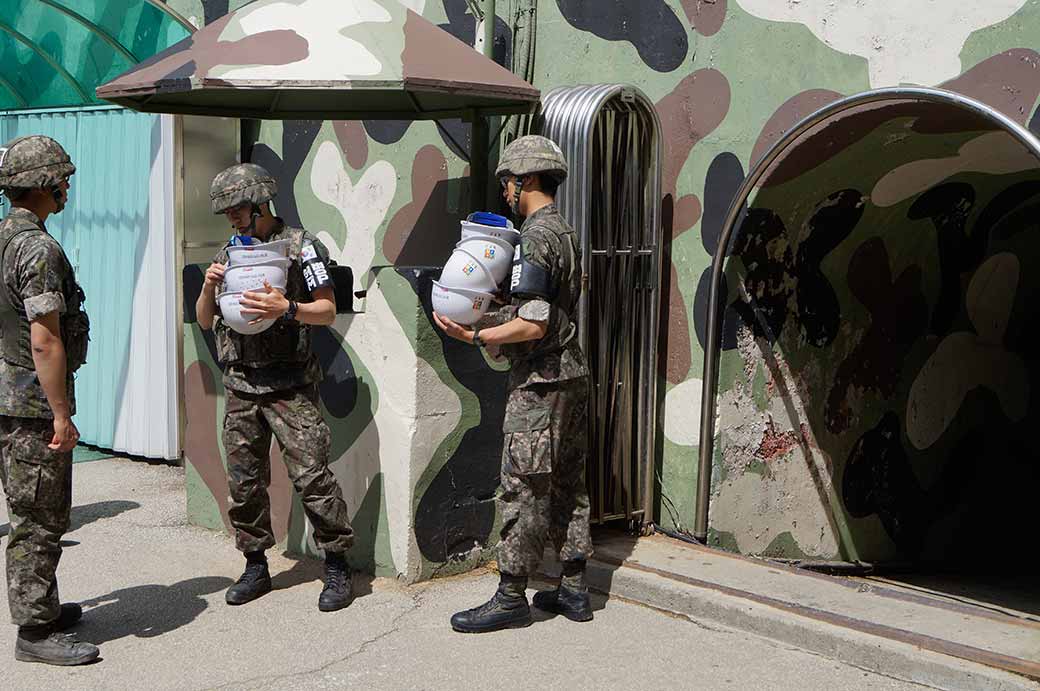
(881, 370)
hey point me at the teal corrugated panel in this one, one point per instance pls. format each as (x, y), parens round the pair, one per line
(56, 53)
(104, 231)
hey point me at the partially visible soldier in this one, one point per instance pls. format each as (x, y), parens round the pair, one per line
(43, 339)
(271, 387)
(543, 493)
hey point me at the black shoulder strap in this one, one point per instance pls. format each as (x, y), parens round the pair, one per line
(5, 239)
(8, 235)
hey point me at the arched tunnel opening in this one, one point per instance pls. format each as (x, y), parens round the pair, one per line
(873, 361)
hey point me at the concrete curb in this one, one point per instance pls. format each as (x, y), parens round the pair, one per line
(872, 653)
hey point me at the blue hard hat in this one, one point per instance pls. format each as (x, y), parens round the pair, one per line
(486, 218)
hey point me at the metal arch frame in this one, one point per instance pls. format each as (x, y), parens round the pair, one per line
(172, 14)
(574, 110)
(93, 28)
(583, 112)
(790, 138)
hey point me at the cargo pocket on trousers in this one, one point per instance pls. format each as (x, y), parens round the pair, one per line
(529, 442)
(28, 483)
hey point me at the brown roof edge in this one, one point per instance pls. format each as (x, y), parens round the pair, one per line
(528, 94)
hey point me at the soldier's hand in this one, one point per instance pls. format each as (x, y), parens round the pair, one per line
(214, 276)
(452, 329)
(65, 435)
(266, 304)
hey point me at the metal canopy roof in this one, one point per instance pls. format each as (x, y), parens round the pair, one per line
(322, 59)
(54, 53)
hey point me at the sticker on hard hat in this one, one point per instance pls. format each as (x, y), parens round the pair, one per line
(315, 273)
(3, 154)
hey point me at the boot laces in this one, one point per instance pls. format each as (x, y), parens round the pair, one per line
(254, 571)
(335, 576)
(68, 639)
(498, 601)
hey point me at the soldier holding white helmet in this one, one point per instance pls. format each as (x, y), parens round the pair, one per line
(43, 340)
(270, 382)
(543, 493)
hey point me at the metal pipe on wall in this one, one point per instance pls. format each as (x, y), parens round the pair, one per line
(714, 315)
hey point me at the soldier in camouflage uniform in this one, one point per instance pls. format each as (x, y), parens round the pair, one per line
(270, 382)
(43, 340)
(543, 493)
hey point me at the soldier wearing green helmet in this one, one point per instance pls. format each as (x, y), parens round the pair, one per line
(43, 340)
(543, 495)
(270, 385)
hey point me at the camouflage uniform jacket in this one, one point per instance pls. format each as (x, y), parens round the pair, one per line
(549, 242)
(281, 357)
(37, 279)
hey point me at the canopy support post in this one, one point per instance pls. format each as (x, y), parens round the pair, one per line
(480, 137)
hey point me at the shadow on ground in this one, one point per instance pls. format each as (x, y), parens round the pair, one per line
(88, 513)
(146, 611)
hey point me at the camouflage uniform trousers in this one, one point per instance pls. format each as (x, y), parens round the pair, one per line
(543, 495)
(38, 485)
(295, 420)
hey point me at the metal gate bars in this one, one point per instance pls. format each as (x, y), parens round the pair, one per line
(611, 136)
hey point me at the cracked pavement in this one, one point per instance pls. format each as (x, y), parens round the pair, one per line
(153, 592)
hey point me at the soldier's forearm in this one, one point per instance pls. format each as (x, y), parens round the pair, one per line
(321, 312)
(516, 331)
(206, 309)
(48, 354)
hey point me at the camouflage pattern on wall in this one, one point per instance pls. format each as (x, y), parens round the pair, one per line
(876, 391)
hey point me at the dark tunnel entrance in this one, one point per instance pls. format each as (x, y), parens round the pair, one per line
(873, 351)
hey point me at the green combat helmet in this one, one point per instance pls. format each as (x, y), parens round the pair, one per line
(532, 154)
(528, 155)
(243, 182)
(33, 161)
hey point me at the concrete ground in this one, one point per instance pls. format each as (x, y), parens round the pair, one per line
(153, 590)
(913, 635)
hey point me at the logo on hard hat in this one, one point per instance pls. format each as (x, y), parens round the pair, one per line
(469, 268)
(489, 252)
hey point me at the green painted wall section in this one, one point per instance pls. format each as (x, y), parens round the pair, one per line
(728, 78)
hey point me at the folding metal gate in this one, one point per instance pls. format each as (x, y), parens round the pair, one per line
(611, 135)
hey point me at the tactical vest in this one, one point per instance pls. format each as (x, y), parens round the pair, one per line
(15, 342)
(284, 343)
(566, 298)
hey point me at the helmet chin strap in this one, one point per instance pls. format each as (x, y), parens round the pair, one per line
(254, 214)
(517, 188)
(56, 193)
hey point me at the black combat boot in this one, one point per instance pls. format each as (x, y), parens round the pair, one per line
(571, 598)
(254, 582)
(507, 609)
(70, 615)
(339, 590)
(47, 645)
